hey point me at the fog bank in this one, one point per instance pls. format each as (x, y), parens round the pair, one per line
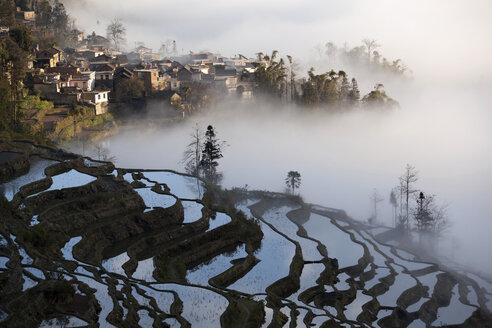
(443, 128)
(445, 134)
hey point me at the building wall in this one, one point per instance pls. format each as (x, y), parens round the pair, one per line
(47, 89)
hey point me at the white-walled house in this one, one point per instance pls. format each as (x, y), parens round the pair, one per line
(99, 99)
(85, 81)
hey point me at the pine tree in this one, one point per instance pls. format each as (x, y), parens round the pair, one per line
(293, 180)
(344, 92)
(354, 95)
(210, 154)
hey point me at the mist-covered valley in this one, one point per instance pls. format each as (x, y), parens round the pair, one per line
(342, 157)
(149, 168)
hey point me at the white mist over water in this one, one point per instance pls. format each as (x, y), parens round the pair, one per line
(446, 135)
(443, 128)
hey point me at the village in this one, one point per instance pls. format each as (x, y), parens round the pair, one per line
(95, 75)
(68, 83)
(89, 72)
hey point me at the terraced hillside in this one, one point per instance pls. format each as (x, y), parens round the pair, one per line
(85, 244)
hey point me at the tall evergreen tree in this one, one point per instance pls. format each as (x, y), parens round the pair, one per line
(354, 95)
(211, 153)
(344, 89)
(13, 62)
(60, 18)
(293, 180)
(44, 15)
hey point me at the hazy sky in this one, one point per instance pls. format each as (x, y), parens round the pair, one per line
(449, 37)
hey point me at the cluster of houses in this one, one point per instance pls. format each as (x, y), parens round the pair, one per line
(90, 73)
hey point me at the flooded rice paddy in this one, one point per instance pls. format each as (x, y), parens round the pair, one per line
(152, 293)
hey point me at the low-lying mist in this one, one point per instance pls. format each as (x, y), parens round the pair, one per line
(445, 133)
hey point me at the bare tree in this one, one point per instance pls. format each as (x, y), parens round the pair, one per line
(192, 155)
(102, 153)
(375, 199)
(371, 45)
(116, 32)
(331, 51)
(406, 183)
(292, 68)
(394, 203)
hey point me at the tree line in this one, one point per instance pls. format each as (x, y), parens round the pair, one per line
(15, 49)
(364, 56)
(276, 78)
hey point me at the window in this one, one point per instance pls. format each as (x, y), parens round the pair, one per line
(99, 97)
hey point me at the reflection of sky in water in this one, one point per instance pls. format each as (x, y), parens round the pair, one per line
(153, 199)
(342, 284)
(219, 220)
(337, 242)
(192, 211)
(114, 264)
(455, 313)
(275, 254)
(481, 282)
(28, 283)
(201, 307)
(380, 273)
(67, 321)
(128, 177)
(429, 280)
(26, 259)
(35, 272)
(384, 313)
(202, 273)
(144, 270)
(164, 300)
(378, 258)
(268, 311)
(145, 319)
(3, 262)
(353, 309)
(70, 179)
(277, 217)
(142, 300)
(103, 298)
(243, 206)
(285, 310)
(183, 187)
(417, 324)
(402, 282)
(36, 172)
(310, 273)
(416, 306)
(67, 249)
(173, 322)
(34, 221)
